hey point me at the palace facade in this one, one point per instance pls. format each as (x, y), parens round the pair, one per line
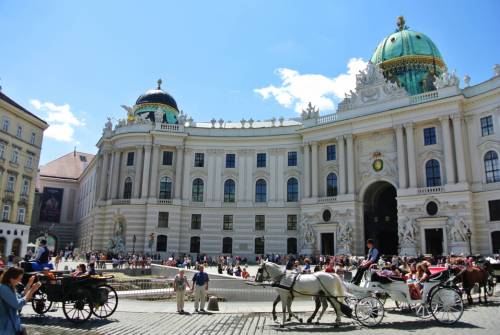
(409, 159)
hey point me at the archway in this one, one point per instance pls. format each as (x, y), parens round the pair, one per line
(381, 216)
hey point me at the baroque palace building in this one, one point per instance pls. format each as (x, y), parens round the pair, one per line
(409, 159)
(21, 136)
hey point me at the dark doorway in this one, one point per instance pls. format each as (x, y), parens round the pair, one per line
(381, 218)
(327, 244)
(495, 242)
(434, 241)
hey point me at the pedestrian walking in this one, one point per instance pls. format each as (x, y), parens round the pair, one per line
(180, 283)
(200, 287)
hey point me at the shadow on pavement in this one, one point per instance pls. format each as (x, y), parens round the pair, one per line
(62, 322)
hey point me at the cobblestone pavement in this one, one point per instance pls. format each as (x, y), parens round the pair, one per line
(479, 319)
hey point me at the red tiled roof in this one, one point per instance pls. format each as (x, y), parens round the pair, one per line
(69, 166)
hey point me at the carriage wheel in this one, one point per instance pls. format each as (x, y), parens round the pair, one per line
(422, 310)
(369, 311)
(40, 303)
(351, 302)
(109, 307)
(78, 310)
(447, 306)
(490, 286)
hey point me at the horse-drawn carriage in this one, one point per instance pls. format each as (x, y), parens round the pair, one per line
(440, 297)
(80, 296)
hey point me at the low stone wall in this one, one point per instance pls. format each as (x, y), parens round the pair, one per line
(224, 286)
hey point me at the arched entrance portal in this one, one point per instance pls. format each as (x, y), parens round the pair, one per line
(380, 217)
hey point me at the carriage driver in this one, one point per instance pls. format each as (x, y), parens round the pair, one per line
(371, 258)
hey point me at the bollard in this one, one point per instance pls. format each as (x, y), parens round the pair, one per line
(213, 304)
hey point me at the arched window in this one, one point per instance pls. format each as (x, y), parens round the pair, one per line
(197, 190)
(161, 243)
(260, 190)
(165, 188)
(491, 167)
(127, 190)
(16, 247)
(291, 246)
(432, 173)
(495, 242)
(259, 246)
(195, 245)
(292, 190)
(229, 190)
(227, 245)
(331, 185)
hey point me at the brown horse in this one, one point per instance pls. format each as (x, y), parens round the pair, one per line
(471, 276)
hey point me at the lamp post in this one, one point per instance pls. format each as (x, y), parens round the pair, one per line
(469, 235)
(134, 239)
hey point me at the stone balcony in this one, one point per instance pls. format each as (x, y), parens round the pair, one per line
(326, 200)
(430, 190)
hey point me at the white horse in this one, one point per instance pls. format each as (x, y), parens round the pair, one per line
(318, 284)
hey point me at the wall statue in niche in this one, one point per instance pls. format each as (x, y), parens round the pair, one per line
(344, 237)
(116, 243)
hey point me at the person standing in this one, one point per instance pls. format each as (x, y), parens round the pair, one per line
(180, 283)
(200, 288)
(11, 302)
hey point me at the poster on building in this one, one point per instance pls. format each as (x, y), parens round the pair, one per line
(51, 204)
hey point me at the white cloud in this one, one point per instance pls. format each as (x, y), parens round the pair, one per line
(62, 122)
(297, 90)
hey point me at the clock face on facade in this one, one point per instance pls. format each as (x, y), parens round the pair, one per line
(378, 165)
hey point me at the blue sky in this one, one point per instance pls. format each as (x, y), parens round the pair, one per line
(75, 62)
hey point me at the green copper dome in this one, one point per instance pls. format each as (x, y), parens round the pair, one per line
(409, 58)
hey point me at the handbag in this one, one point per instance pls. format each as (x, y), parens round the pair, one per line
(18, 332)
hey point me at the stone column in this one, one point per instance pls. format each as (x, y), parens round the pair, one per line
(115, 173)
(410, 148)
(273, 174)
(138, 172)
(240, 188)
(314, 169)
(145, 171)
(448, 154)
(218, 187)
(250, 180)
(280, 195)
(307, 171)
(459, 147)
(186, 189)
(341, 164)
(103, 183)
(350, 164)
(475, 159)
(153, 183)
(210, 182)
(179, 158)
(400, 144)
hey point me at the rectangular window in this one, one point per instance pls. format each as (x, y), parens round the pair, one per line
(15, 156)
(26, 187)
(430, 136)
(33, 138)
(21, 214)
(6, 213)
(331, 152)
(11, 180)
(2, 150)
(487, 125)
(227, 222)
(167, 158)
(130, 159)
(29, 161)
(292, 158)
(261, 160)
(162, 219)
(5, 125)
(494, 208)
(196, 221)
(19, 133)
(260, 222)
(199, 159)
(230, 161)
(291, 222)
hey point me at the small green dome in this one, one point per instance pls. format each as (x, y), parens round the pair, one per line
(410, 58)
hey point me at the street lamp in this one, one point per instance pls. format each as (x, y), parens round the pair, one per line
(134, 239)
(469, 235)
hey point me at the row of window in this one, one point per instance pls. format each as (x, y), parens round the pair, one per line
(227, 245)
(228, 220)
(19, 132)
(14, 158)
(11, 184)
(21, 214)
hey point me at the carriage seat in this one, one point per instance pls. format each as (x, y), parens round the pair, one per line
(439, 276)
(385, 279)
